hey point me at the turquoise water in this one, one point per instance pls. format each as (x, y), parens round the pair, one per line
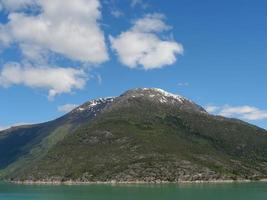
(240, 191)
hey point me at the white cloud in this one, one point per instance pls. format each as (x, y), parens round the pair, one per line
(243, 112)
(135, 3)
(141, 46)
(56, 80)
(99, 79)
(66, 108)
(13, 5)
(46, 31)
(116, 13)
(212, 109)
(3, 128)
(68, 28)
(151, 23)
(4, 37)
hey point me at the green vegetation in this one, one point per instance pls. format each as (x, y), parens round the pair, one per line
(137, 139)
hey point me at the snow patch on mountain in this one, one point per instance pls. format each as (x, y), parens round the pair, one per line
(94, 105)
(164, 95)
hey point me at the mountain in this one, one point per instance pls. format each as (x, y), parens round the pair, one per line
(21, 146)
(145, 135)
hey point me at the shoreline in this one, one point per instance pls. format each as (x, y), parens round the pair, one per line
(28, 182)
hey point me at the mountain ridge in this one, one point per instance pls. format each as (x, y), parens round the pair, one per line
(145, 134)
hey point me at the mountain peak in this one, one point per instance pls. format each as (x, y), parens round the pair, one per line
(165, 93)
(157, 95)
(152, 92)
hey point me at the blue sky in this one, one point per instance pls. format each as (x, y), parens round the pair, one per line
(213, 52)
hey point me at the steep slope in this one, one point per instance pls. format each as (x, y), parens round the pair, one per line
(151, 135)
(24, 145)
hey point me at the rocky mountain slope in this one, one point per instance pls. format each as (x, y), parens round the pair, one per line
(143, 135)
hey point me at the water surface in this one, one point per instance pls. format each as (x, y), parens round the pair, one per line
(229, 191)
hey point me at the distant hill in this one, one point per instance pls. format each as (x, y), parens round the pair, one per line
(146, 135)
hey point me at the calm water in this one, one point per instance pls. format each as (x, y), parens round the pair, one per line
(243, 191)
